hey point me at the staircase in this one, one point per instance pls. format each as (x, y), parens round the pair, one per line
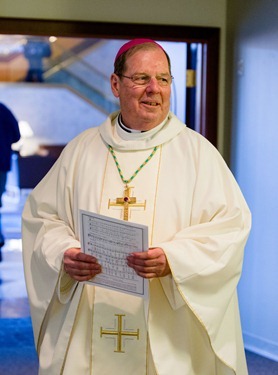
(71, 69)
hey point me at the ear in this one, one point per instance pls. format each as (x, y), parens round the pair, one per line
(115, 86)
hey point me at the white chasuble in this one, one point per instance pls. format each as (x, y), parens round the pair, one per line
(119, 344)
(118, 322)
(143, 187)
(195, 212)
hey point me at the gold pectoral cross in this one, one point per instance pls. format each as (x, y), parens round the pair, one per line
(126, 202)
(119, 333)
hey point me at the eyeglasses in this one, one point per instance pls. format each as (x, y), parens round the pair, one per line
(144, 79)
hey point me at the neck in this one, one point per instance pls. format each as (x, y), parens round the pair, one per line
(143, 127)
(124, 127)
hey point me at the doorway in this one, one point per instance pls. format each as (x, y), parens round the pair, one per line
(197, 77)
(206, 38)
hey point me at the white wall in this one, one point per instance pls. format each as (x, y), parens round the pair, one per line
(255, 164)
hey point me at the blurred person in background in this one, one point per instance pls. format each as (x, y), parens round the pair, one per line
(9, 134)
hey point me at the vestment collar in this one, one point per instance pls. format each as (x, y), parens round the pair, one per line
(121, 140)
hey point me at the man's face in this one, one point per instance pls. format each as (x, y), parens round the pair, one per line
(143, 107)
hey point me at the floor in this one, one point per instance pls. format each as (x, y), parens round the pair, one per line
(17, 351)
(13, 294)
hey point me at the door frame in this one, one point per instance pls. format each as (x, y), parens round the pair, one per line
(208, 36)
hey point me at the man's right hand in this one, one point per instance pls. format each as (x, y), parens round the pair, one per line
(80, 266)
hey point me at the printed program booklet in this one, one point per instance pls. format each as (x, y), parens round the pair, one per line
(110, 241)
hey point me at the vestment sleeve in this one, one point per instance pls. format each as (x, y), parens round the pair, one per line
(206, 256)
(48, 230)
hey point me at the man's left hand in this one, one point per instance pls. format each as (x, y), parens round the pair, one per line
(149, 264)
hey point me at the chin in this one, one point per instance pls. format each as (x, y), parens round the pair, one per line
(151, 117)
(154, 120)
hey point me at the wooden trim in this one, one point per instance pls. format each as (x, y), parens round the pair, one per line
(209, 36)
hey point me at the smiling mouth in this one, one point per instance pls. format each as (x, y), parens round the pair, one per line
(152, 104)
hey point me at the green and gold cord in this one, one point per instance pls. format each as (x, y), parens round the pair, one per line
(137, 170)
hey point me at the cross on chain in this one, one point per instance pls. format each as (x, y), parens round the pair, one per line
(126, 201)
(119, 333)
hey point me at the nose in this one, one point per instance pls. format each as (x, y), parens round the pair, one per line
(153, 85)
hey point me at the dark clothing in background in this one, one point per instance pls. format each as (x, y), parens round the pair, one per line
(9, 134)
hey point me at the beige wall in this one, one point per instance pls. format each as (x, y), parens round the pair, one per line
(176, 12)
(179, 12)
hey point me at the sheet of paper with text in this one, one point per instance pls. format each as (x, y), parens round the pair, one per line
(110, 241)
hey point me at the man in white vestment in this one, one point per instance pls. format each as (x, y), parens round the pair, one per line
(198, 224)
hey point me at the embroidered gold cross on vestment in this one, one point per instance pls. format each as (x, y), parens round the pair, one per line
(126, 202)
(119, 333)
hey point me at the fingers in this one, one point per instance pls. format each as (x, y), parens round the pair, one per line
(80, 266)
(149, 264)
(81, 271)
(147, 272)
